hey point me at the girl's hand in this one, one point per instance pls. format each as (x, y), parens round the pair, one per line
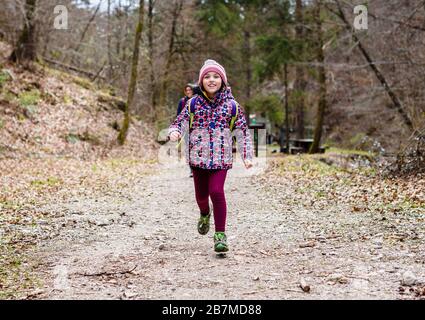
(174, 136)
(248, 164)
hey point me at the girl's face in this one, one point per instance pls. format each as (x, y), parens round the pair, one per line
(211, 83)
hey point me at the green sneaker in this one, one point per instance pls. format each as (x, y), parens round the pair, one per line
(220, 242)
(204, 224)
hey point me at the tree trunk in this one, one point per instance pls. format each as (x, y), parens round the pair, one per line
(153, 87)
(396, 102)
(247, 56)
(248, 71)
(123, 39)
(322, 82)
(25, 49)
(285, 80)
(110, 67)
(165, 80)
(132, 86)
(46, 44)
(300, 83)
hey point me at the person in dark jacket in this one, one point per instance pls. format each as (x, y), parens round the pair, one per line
(188, 93)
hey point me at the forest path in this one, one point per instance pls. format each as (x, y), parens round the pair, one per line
(143, 244)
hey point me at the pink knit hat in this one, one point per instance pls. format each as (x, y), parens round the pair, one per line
(212, 65)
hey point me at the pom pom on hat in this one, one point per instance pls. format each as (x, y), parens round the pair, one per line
(212, 65)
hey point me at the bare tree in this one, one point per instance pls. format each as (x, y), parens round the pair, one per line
(322, 81)
(152, 84)
(86, 28)
(133, 78)
(300, 83)
(110, 62)
(170, 53)
(285, 80)
(25, 49)
(396, 103)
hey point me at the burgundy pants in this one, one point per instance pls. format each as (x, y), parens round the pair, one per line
(210, 183)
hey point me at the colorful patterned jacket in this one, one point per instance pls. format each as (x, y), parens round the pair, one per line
(210, 138)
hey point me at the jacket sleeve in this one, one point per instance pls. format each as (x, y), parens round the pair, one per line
(243, 136)
(181, 122)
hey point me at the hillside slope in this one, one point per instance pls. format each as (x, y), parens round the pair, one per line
(45, 112)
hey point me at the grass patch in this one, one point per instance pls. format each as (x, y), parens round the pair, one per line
(121, 162)
(408, 203)
(61, 75)
(329, 164)
(56, 54)
(72, 138)
(4, 77)
(151, 161)
(15, 272)
(307, 164)
(368, 171)
(49, 182)
(86, 136)
(67, 99)
(316, 167)
(357, 139)
(85, 83)
(8, 96)
(398, 207)
(29, 98)
(11, 205)
(351, 152)
(89, 137)
(320, 194)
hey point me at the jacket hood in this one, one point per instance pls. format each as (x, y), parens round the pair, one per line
(220, 97)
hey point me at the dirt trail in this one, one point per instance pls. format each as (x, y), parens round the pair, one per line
(145, 246)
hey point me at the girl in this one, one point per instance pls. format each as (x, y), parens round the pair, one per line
(209, 116)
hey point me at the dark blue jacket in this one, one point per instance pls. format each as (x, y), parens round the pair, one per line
(182, 103)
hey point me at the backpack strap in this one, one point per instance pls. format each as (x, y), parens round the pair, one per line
(235, 111)
(191, 107)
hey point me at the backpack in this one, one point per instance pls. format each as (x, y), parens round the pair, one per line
(235, 111)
